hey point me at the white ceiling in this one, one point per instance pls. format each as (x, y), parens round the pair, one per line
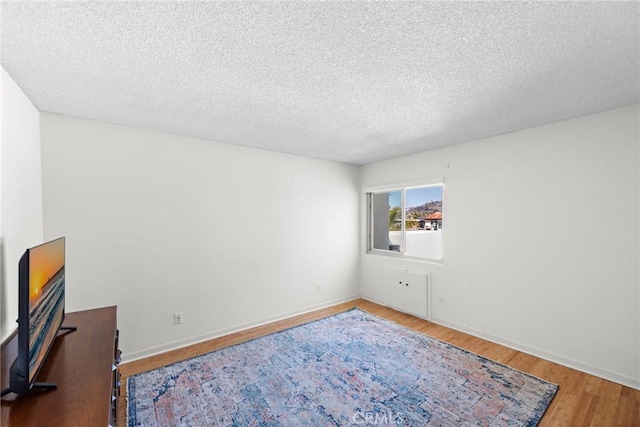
(354, 82)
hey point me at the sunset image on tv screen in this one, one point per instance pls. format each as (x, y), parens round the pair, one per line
(44, 262)
(46, 299)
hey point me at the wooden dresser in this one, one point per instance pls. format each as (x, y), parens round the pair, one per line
(83, 364)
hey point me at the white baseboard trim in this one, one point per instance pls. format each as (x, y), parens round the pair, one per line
(551, 357)
(546, 355)
(174, 345)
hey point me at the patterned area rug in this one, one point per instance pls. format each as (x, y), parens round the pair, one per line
(351, 369)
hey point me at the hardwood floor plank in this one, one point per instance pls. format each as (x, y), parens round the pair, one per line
(582, 399)
(628, 410)
(566, 400)
(521, 361)
(585, 410)
(609, 398)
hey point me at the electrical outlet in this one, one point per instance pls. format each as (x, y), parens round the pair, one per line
(441, 300)
(177, 318)
(318, 287)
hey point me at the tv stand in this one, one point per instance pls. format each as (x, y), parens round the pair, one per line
(45, 386)
(83, 370)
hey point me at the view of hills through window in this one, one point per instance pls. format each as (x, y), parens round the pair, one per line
(420, 234)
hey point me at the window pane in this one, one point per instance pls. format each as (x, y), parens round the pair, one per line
(424, 222)
(386, 215)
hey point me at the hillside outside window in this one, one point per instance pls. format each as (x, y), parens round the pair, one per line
(407, 222)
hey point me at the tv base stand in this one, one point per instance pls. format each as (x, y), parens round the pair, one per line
(83, 370)
(44, 386)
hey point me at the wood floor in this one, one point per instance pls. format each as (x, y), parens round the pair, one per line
(582, 400)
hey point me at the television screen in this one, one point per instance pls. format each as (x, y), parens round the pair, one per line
(46, 300)
(41, 282)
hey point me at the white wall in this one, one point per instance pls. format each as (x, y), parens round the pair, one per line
(540, 240)
(230, 236)
(20, 193)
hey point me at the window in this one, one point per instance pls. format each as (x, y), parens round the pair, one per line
(407, 221)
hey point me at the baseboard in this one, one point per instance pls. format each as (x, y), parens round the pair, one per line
(542, 354)
(174, 345)
(546, 355)
(552, 357)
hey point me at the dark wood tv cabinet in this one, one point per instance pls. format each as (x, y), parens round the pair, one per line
(83, 364)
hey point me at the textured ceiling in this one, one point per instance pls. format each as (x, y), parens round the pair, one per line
(354, 82)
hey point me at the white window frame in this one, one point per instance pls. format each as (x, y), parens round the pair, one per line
(399, 186)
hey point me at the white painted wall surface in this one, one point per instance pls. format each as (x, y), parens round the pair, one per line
(230, 236)
(20, 193)
(540, 238)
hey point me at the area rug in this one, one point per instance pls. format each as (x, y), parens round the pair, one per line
(351, 369)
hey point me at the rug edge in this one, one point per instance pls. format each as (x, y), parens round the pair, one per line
(547, 403)
(129, 403)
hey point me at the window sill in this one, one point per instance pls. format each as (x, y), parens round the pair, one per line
(397, 255)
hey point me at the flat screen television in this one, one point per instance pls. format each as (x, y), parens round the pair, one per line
(41, 295)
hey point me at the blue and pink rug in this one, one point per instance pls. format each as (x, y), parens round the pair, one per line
(351, 369)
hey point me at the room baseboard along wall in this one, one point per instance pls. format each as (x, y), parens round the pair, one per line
(174, 345)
